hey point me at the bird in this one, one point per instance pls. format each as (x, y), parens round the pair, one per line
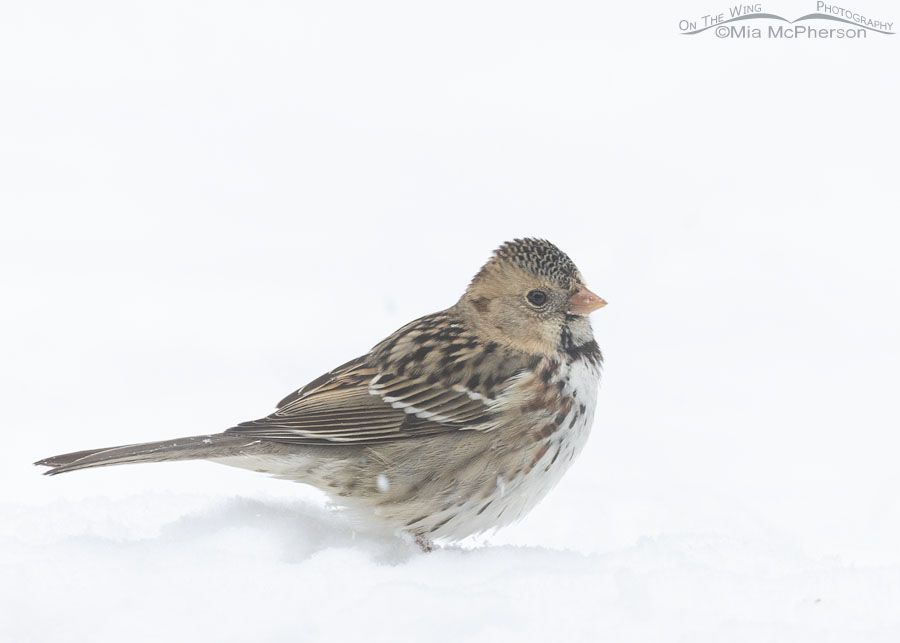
(457, 424)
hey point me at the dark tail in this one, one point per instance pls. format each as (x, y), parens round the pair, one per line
(197, 447)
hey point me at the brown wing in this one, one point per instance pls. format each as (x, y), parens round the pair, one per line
(355, 403)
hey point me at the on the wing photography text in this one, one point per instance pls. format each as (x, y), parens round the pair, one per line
(752, 21)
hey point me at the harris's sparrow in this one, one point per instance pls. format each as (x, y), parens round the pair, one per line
(457, 423)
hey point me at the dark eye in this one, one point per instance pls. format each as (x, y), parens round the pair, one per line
(537, 297)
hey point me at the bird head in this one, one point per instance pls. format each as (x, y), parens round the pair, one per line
(528, 296)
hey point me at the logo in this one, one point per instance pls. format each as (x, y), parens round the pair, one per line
(753, 22)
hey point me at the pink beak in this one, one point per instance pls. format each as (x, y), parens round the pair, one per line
(584, 302)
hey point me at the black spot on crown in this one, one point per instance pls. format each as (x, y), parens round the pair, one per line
(540, 257)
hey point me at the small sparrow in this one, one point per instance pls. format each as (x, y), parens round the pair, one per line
(456, 424)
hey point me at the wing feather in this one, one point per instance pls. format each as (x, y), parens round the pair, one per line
(355, 403)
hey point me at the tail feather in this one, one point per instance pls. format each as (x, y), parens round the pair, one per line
(190, 448)
(66, 458)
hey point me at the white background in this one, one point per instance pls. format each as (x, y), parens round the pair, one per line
(205, 205)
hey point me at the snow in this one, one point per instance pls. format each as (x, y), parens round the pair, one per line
(157, 565)
(383, 483)
(206, 206)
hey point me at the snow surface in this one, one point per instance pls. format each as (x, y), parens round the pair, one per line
(205, 206)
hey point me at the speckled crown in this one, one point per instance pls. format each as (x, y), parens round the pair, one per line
(540, 257)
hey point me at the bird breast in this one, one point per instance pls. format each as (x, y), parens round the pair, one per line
(555, 415)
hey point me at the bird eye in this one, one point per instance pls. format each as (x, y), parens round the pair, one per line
(537, 297)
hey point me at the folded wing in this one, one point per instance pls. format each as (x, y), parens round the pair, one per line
(358, 404)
